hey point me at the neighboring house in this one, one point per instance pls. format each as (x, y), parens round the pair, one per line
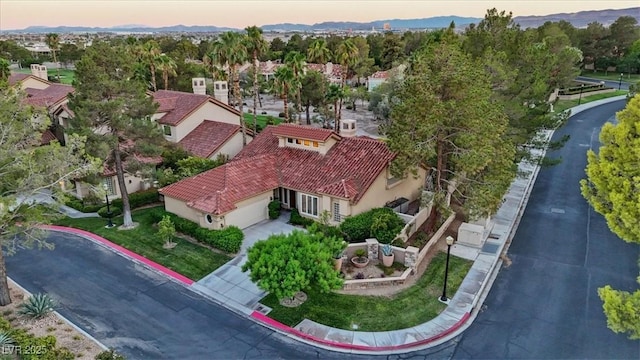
(332, 72)
(376, 79)
(310, 169)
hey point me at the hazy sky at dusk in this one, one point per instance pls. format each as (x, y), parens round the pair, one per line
(18, 14)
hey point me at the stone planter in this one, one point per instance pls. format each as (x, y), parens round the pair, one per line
(359, 262)
(387, 260)
(337, 263)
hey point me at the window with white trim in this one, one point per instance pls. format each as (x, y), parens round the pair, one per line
(336, 212)
(166, 129)
(308, 205)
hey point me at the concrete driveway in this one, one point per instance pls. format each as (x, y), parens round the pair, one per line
(228, 284)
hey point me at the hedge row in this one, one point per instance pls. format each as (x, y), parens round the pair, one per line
(228, 239)
(139, 198)
(297, 219)
(81, 206)
(30, 347)
(380, 223)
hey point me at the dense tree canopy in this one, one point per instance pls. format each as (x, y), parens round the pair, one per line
(612, 186)
(27, 168)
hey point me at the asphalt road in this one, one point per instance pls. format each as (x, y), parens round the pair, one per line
(145, 316)
(624, 85)
(545, 304)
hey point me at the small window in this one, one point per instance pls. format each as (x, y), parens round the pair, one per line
(166, 129)
(345, 126)
(224, 86)
(290, 140)
(336, 212)
(217, 86)
(201, 83)
(306, 143)
(208, 218)
(298, 142)
(315, 144)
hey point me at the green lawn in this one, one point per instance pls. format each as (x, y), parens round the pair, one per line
(261, 120)
(66, 76)
(562, 105)
(188, 259)
(413, 306)
(611, 75)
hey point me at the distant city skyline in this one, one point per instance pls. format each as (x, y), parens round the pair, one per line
(19, 14)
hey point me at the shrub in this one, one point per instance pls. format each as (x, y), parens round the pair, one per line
(382, 222)
(281, 115)
(297, 219)
(37, 306)
(228, 239)
(5, 339)
(115, 211)
(110, 354)
(82, 206)
(140, 198)
(274, 209)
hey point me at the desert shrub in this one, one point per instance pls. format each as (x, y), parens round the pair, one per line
(5, 339)
(274, 209)
(382, 222)
(297, 219)
(115, 211)
(228, 239)
(140, 198)
(110, 354)
(36, 306)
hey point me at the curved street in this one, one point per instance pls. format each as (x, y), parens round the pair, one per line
(545, 304)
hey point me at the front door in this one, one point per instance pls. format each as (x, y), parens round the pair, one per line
(292, 199)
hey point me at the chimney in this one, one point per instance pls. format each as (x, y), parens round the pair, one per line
(199, 87)
(221, 91)
(348, 128)
(40, 71)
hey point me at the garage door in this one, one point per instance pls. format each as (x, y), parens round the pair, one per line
(248, 215)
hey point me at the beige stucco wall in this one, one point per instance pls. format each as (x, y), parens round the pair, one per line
(181, 209)
(208, 111)
(232, 147)
(31, 83)
(249, 211)
(378, 194)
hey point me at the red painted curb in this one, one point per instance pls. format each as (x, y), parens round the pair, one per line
(123, 250)
(280, 326)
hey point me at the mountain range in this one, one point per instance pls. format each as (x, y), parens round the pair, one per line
(578, 19)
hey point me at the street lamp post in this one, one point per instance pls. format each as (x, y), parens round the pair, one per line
(444, 298)
(580, 97)
(620, 81)
(106, 196)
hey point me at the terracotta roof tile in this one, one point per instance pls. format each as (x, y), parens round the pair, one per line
(303, 132)
(379, 75)
(347, 171)
(16, 78)
(48, 96)
(179, 105)
(47, 137)
(208, 137)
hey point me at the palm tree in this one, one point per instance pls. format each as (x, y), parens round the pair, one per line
(167, 67)
(53, 42)
(318, 52)
(4, 70)
(230, 49)
(296, 61)
(283, 79)
(256, 46)
(334, 95)
(347, 55)
(149, 53)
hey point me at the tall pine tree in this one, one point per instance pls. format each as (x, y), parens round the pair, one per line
(114, 113)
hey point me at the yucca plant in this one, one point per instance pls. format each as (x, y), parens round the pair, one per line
(37, 306)
(5, 339)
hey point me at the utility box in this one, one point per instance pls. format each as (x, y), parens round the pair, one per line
(471, 235)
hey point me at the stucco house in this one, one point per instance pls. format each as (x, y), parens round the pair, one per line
(376, 79)
(307, 168)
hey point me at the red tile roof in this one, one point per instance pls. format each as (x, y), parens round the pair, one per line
(16, 78)
(48, 96)
(179, 105)
(379, 75)
(208, 137)
(347, 171)
(304, 132)
(47, 137)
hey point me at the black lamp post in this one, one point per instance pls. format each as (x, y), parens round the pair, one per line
(444, 298)
(580, 97)
(106, 196)
(620, 82)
